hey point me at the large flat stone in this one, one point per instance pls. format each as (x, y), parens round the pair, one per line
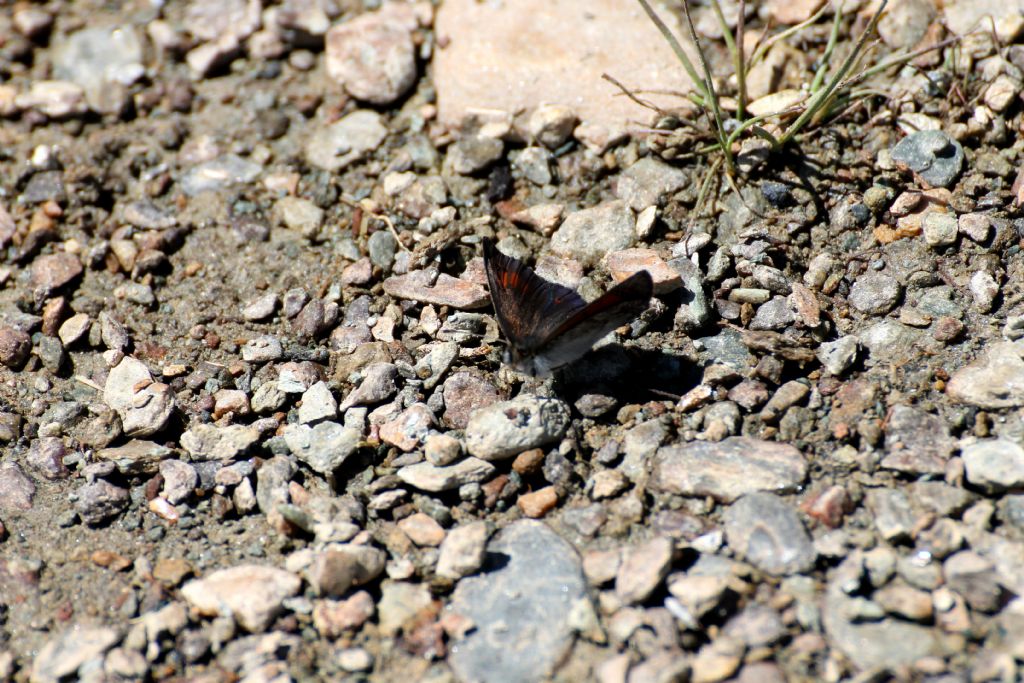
(727, 469)
(514, 56)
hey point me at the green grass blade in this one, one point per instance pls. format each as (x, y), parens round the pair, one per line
(819, 99)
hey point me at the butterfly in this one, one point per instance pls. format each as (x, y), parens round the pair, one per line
(548, 325)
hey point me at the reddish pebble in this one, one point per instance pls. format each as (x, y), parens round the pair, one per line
(529, 461)
(422, 529)
(162, 508)
(947, 329)
(538, 503)
(829, 507)
(333, 617)
(110, 560)
(15, 346)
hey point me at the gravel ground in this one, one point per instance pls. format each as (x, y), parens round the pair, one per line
(254, 423)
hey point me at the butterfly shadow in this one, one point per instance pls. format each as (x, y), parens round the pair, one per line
(629, 374)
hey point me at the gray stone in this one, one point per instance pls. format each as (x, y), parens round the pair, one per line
(891, 513)
(638, 446)
(135, 457)
(551, 124)
(905, 24)
(300, 215)
(768, 533)
(341, 566)
(143, 405)
(474, 153)
(463, 550)
(261, 307)
(890, 342)
(252, 594)
(113, 333)
(211, 442)
(146, 215)
(346, 141)
(63, 654)
(873, 644)
(916, 442)
(505, 429)
(756, 626)
(775, 314)
(272, 483)
(136, 292)
(381, 248)
(994, 381)
(589, 234)
(875, 293)
(648, 182)
(378, 384)
(15, 347)
(262, 349)
(401, 602)
(438, 359)
(941, 498)
(994, 465)
(932, 155)
(427, 477)
(642, 570)
(595, 405)
(318, 403)
(180, 480)
(940, 229)
(102, 61)
(837, 356)
(975, 578)
(16, 489)
(324, 447)
(99, 501)
(962, 16)
(534, 164)
(522, 607)
(219, 173)
(372, 56)
(727, 469)
(44, 186)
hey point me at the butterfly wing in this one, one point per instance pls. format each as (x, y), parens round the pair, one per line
(529, 308)
(578, 334)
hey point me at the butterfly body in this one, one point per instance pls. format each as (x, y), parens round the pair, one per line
(548, 325)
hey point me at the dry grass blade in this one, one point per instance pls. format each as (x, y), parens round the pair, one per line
(378, 216)
(633, 96)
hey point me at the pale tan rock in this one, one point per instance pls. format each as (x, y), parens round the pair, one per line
(626, 262)
(517, 56)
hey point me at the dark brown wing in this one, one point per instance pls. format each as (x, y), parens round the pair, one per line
(618, 306)
(529, 308)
